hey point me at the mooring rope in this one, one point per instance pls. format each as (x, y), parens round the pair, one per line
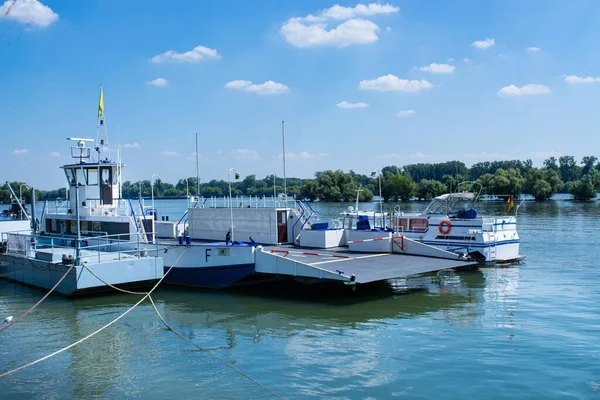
(146, 295)
(39, 302)
(91, 334)
(239, 371)
(112, 286)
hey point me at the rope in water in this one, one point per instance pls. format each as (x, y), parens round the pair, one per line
(90, 335)
(39, 302)
(146, 295)
(169, 327)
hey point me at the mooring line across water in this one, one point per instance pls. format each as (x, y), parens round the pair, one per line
(239, 371)
(146, 295)
(38, 303)
(91, 334)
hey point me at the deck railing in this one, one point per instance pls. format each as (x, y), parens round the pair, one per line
(87, 249)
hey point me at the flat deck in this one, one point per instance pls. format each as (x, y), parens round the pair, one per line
(366, 267)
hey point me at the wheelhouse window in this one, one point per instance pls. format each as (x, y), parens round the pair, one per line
(92, 176)
(70, 176)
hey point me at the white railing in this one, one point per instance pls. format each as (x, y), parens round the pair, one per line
(91, 248)
(241, 202)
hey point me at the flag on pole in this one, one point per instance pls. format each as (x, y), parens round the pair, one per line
(101, 104)
(510, 203)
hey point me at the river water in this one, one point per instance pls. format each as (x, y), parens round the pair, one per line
(528, 331)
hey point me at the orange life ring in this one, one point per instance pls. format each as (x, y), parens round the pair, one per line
(444, 227)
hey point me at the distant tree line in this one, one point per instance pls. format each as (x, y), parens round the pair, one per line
(421, 181)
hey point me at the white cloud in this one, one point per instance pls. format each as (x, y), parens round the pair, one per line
(574, 80)
(266, 88)
(527, 90)
(198, 53)
(391, 83)
(345, 104)
(134, 145)
(28, 12)
(467, 60)
(20, 152)
(158, 82)
(353, 31)
(388, 28)
(246, 154)
(169, 153)
(533, 49)
(483, 44)
(55, 154)
(405, 113)
(312, 30)
(340, 12)
(437, 68)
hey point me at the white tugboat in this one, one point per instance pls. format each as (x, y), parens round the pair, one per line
(92, 239)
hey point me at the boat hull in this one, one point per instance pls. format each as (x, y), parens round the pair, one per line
(214, 265)
(140, 272)
(209, 277)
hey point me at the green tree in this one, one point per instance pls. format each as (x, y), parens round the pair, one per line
(583, 189)
(542, 183)
(429, 188)
(588, 163)
(568, 168)
(503, 182)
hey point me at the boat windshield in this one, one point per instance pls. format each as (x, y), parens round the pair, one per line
(450, 203)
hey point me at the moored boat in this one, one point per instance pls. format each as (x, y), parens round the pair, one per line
(92, 240)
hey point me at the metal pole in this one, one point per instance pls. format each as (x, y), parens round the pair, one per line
(33, 224)
(230, 203)
(283, 141)
(381, 201)
(153, 209)
(78, 243)
(197, 170)
(274, 190)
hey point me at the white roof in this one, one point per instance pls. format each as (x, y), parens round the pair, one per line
(462, 195)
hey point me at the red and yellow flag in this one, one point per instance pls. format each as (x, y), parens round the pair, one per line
(510, 203)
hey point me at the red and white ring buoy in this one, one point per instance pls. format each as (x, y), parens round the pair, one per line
(445, 227)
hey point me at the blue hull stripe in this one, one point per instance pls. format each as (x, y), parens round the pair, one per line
(208, 277)
(468, 244)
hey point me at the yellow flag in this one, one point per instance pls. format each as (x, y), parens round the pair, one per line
(101, 104)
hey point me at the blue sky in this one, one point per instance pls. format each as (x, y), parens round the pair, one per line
(360, 85)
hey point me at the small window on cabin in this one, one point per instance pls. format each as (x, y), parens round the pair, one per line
(106, 178)
(81, 176)
(73, 227)
(92, 176)
(53, 225)
(96, 226)
(419, 224)
(70, 177)
(402, 224)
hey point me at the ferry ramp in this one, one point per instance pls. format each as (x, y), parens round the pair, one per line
(348, 267)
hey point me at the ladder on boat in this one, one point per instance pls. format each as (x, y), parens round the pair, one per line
(492, 247)
(306, 213)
